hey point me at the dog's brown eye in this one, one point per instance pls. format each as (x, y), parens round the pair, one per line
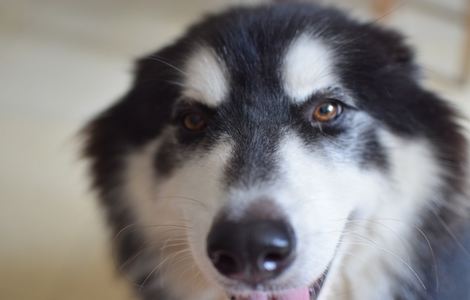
(327, 111)
(194, 121)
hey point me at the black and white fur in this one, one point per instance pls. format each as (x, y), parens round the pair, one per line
(378, 197)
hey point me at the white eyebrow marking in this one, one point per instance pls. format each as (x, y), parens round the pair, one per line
(206, 77)
(307, 68)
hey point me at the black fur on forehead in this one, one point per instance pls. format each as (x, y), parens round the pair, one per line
(254, 39)
(372, 63)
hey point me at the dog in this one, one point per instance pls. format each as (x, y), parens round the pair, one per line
(284, 152)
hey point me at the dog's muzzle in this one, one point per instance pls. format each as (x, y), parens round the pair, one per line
(254, 250)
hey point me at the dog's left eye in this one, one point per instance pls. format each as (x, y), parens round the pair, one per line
(327, 111)
(194, 121)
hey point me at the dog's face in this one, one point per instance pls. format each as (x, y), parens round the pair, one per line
(243, 150)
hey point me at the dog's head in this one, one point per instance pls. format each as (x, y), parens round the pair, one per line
(243, 149)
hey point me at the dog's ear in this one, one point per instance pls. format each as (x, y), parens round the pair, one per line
(393, 46)
(138, 117)
(379, 53)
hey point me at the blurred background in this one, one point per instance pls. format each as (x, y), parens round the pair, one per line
(61, 61)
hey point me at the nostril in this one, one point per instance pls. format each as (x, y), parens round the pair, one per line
(225, 263)
(273, 248)
(272, 261)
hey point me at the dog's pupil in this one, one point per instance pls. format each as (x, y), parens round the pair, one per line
(327, 109)
(194, 121)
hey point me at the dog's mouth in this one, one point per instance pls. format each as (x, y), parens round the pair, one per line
(303, 293)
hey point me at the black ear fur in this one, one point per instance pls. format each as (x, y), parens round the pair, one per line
(136, 118)
(394, 46)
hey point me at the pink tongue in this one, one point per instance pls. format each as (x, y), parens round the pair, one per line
(295, 294)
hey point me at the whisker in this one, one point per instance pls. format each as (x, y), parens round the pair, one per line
(393, 254)
(136, 226)
(451, 233)
(177, 197)
(166, 259)
(161, 60)
(394, 9)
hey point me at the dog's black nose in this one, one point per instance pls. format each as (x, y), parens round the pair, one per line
(251, 251)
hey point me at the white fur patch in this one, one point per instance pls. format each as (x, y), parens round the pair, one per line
(318, 195)
(378, 241)
(307, 68)
(175, 214)
(206, 77)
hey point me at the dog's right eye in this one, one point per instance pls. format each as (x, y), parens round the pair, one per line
(194, 121)
(327, 111)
